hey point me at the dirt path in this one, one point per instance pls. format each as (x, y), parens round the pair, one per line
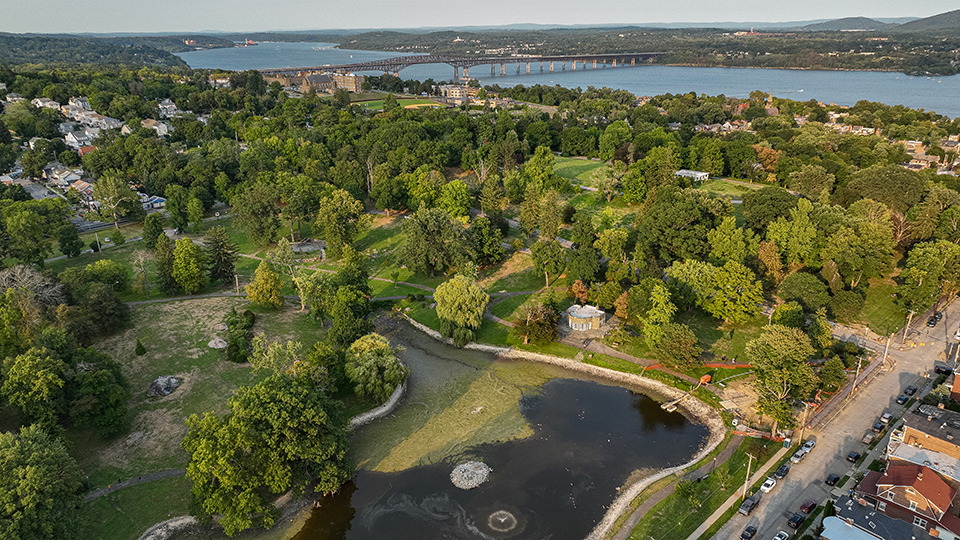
(97, 493)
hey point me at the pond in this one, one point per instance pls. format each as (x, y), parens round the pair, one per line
(560, 446)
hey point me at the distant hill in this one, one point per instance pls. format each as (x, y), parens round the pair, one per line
(846, 24)
(944, 21)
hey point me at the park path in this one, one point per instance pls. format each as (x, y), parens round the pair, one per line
(760, 473)
(668, 490)
(97, 493)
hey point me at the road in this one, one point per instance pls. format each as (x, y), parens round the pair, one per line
(842, 434)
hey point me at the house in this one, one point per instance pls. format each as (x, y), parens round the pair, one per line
(912, 493)
(77, 139)
(66, 127)
(43, 102)
(80, 102)
(696, 177)
(585, 317)
(161, 128)
(933, 429)
(84, 150)
(858, 520)
(33, 142)
(14, 97)
(167, 108)
(219, 82)
(149, 202)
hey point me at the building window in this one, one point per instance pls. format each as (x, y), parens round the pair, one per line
(913, 505)
(881, 506)
(922, 523)
(890, 495)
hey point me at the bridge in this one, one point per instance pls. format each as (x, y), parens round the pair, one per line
(394, 65)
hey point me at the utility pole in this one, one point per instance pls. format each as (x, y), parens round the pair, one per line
(886, 349)
(746, 481)
(904, 336)
(855, 377)
(237, 279)
(803, 424)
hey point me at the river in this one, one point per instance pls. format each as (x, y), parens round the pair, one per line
(560, 446)
(841, 87)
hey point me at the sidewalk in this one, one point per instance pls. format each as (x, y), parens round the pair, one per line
(735, 498)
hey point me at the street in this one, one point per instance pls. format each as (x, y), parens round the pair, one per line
(843, 433)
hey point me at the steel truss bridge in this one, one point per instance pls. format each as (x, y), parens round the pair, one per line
(394, 65)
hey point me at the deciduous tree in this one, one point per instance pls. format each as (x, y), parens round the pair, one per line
(266, 287)
(373, 368)
(188, 266)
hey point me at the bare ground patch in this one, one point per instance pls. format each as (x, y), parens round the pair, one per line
(516, 263)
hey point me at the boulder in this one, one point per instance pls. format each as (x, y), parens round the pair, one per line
(470, 474)
(163, 385)
(217, 343)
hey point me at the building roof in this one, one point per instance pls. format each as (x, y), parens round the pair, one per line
(584, 312)
(923, 480)
(939, 423)
(835, 528)
(936, 461)
(868, 518)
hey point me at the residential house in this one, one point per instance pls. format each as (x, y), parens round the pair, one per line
(77, 139)
(66, 127)
(925, 161)
(167, 108)
(84, 150)
(79, 102)
(915, 494)
(33, 142)
(932, 429)
(161, 128)
(219, 82)
(914, 147)
(3, 86)
(859, 520)
(43, 102)
(150, 202)
(14, 97)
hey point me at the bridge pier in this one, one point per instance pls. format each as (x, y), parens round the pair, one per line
(466, 72)
(456, 73)
(633, 62)
(518, 68)
(594, 63)
(551, 66)
(574, 64)
(503, 70)
(614, 62)
(563, 65)
(528, 68)
(541, 67)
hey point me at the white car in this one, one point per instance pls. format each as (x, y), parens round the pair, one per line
(808, 446)
(768, 485)
(798, 455)
(782, 535)
(886, 418)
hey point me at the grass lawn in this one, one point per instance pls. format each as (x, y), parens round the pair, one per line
(125, 514)
(404, 102)
(506, 307)
(880, 313)
(676, 517)
(577, 170)
(723, 187)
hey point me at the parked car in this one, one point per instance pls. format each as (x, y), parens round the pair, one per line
(832, 479)
(796, 520)
(798, 456)
(852, 457)
(749, 504)
(878, 426)
(769, 485)
(886, 418)
(808, 446)
(748, 533)
(782, 535)
(868, 438)
(938, 316)
(782, 472)
(808, 506)
(911, 390)
(942, 370)
(902, 399)
(932, 321)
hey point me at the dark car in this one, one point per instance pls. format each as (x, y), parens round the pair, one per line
(852, 457)
(878, 427)
(901, 400)
(938, 316)
(781, 472)
(911, 390)
(932, 321)
(832, 479)
(808, 506)
(748, 533)
(796, 520)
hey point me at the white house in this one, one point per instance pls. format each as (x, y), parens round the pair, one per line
(45, 102)
(696, 177)
(161, 128)
(167, 108)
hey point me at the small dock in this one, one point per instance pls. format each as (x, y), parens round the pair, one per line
(671, 406)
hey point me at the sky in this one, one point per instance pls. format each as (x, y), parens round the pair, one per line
(143, 16)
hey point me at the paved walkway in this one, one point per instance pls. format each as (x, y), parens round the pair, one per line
(666, 491)
(132, 482)
(735, 498)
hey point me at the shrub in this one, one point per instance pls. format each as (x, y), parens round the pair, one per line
(140, 349)
(94, 246)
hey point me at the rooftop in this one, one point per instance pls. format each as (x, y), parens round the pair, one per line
(926, 482)
(584, 312)
(880, 525)
(939, 423)
(941, 463)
